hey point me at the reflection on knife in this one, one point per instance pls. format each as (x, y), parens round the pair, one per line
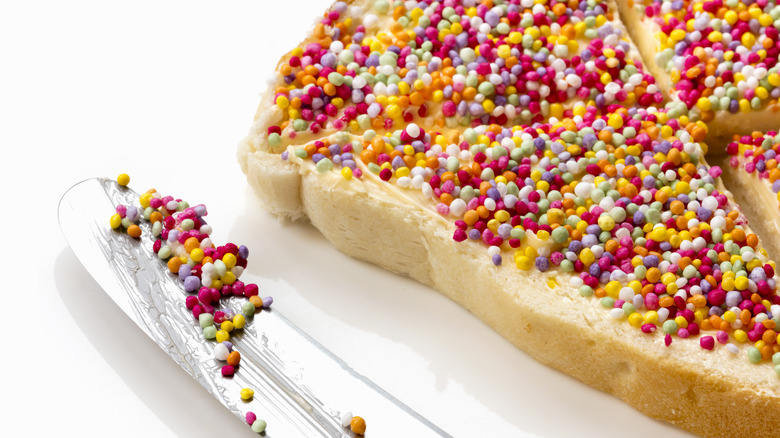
(300, 387)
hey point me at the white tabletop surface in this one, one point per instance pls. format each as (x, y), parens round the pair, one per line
(164, 90)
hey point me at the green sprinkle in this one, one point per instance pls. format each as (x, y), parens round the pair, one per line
(754, 354)
(300, 125)
(259, 426)
(274, 139)
(618, 214)
(560, 235)
(164, 252)
(210, 332)
(382, 6)
(486, 88)
(670, 327)
(205, 320)
(324, 165)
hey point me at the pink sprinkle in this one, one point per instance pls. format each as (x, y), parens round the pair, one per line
(191, 301)
(250, 289)
(250, 417)
(228, 370)
(707, 342)
(668, 340)
(715, 171)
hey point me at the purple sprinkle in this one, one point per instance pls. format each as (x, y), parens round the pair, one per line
(184, 271)
(132, 213)
(243, 252)
(191, 283)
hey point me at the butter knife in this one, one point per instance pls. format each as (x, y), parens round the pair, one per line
(300, 388)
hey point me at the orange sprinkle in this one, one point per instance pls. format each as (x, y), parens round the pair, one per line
(368, 156)
(156, 216)
(134, 231)
(471, 217)
(666, 301)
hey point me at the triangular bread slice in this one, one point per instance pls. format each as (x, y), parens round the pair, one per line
(571, 61)
(375, 215)
(750, 172)
(717, 60)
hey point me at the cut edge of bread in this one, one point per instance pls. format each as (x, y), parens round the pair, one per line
(725, 125)
(540, 313)
(709, 393)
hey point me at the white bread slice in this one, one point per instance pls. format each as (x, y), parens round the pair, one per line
(753, 190)
(358, 10)
(710, 393)
(723, 125)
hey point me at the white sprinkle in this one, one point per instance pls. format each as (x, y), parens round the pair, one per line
(626, 294)
(346, 419)
(617, 313)
(221, 352)
(457, 207)
(663, 313)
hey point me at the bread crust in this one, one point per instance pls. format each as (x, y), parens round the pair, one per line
(709, 393)
(682, 384)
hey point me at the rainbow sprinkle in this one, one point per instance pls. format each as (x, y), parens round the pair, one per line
(721, 55)
(207, 272)
(758, 153)
(545, 145)
(459, 64)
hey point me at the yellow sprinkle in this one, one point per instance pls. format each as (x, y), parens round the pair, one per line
(651, 317)
(636, 319)
(523, 263)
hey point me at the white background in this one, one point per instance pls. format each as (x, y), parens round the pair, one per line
(164, 91)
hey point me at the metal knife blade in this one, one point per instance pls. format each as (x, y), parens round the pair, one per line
(300, 387)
